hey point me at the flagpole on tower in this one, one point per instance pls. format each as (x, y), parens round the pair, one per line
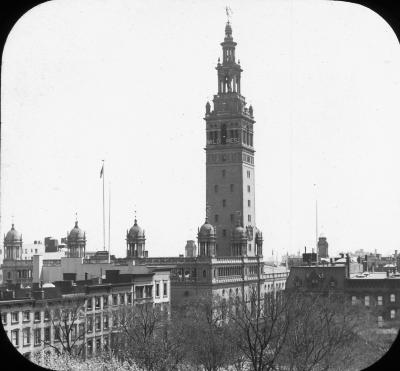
(316, 219)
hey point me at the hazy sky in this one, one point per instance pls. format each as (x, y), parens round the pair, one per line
(127, 81)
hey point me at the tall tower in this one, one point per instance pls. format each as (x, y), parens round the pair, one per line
(230, 157)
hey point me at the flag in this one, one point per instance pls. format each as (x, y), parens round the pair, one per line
(102, 171)
(229, 12)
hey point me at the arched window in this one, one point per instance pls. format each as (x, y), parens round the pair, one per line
(204, 273)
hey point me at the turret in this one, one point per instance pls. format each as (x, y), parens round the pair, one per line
(76, 242)
(13, 244)
(206, 240)
(136, 242)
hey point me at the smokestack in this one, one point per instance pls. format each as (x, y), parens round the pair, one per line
(305, 249)
(347, 265)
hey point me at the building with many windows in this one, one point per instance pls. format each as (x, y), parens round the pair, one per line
(379, 290)
(31, 316)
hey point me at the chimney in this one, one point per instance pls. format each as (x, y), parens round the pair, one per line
(347, 266)
(86, 276)
(305, 249)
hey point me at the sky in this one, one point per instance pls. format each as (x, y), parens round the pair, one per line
(127, 81)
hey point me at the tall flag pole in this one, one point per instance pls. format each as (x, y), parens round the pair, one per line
(104, 214)
(316, 220)
(109, 219)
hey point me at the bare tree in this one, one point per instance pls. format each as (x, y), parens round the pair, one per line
(259, 329)
(148, 337)
(206, 333)
(321, 330)
(67, 320)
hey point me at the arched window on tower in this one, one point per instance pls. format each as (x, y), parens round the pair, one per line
(223, 134)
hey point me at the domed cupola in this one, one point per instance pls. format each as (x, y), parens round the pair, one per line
(136, 231)
(135, 242)
(206, 230)
(239, 233)
(13, 235)
(13, 244)
(76, 233)
(206, 239)
(259, 242)
(76, 242)
(239, 239)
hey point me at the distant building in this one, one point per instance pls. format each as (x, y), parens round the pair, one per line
(190, 249)
(51, 244)
(378, 263)
(322, 247)
(381, 290)
(35, 248)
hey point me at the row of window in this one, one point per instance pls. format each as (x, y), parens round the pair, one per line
(379, 299)
(26, 336)
(230, 271)
(214, 137)
(76, 330)
(122, 298)
(165, 289)
(114, 298)
(26, 317)
(26, 251)
(278, 285)
(216, 216)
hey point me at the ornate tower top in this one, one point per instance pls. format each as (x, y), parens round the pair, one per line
(229, 100)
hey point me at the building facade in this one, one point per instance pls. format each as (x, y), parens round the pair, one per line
(380, 291)
(29, 316)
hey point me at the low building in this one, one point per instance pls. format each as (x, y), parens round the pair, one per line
(275, 278)
(379, 290)
(30, 249)
(29, 315)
